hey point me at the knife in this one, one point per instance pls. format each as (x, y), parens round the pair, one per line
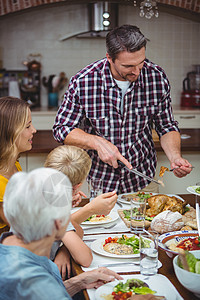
(138, 173)
(197, 216)
(120, 264)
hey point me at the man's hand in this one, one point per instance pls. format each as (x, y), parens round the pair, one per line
(62, 260)
(103, 204)
(185, 167)
(109, 153)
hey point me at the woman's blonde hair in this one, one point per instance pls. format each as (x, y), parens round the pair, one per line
(70, 160)
(13, 119)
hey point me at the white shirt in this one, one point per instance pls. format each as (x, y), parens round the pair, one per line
(123, 85)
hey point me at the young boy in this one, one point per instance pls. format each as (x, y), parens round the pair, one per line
(76, 163)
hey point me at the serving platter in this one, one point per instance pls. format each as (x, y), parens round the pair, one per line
(174, 237)
(97, 247)
(120, 199)
(158, 283)
(113, 215)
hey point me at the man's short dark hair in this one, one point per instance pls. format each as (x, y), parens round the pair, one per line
(124, 38)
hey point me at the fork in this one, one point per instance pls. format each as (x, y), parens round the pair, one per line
(171, 170)
(100, 226)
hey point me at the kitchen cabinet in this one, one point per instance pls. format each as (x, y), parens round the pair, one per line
(187, 117)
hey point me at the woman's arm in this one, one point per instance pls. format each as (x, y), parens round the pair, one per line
(80, 252)
(90, 279)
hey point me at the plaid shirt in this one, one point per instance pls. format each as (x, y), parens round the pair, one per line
(93, 99)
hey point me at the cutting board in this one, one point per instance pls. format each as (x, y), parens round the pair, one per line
(127, 222)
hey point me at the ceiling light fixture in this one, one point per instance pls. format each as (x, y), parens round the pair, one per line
(148, 9)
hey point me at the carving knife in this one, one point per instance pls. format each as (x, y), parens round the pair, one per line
(138, 173)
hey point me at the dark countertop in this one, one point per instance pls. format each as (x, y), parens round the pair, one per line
(43, 141)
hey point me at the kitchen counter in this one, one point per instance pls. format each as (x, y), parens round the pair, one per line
(52, 111)
(43, 141)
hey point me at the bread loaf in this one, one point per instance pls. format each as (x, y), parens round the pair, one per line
(167, 221)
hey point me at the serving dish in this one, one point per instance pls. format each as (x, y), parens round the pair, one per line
(166, 239)
(120, 199)
(189, 280)
(158, 283)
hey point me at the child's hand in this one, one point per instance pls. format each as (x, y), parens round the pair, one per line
(77, 198)
(104, 203)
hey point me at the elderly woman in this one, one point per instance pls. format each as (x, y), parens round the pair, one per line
(37, 206)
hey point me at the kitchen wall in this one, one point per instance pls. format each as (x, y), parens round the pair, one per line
(174, 41)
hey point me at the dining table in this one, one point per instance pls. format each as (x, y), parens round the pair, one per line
(166, 268)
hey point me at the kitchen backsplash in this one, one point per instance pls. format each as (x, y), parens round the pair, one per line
(174, 41)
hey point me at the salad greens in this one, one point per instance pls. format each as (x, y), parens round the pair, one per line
(143, 196)
(192, 262)
(133, 242)
(197, 190)
(136, 286)
(127, 215)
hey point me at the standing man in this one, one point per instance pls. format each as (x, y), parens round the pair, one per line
(116, 99)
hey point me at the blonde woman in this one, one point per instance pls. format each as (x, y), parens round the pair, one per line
(16, 134)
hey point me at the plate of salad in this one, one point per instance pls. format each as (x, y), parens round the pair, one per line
(157, 285)
(195, 189)
(118, 246)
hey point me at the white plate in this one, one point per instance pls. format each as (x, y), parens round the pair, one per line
(97, 247)
(191, 189)
(153, 194)
(113, 214)
(158, 283)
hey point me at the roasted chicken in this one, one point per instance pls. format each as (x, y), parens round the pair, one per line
(159, 203)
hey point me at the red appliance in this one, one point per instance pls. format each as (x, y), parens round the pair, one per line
(190, 97)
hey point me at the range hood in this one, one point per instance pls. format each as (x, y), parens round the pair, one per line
(102, 16)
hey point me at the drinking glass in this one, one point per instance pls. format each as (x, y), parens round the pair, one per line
(138, 211)
(148, 244)
(95, 187)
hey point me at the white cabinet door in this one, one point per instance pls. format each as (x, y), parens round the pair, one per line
(188, 120)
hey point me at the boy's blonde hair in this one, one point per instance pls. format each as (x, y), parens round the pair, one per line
(70, 160)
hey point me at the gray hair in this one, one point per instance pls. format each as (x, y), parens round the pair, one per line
(124, 38)
(33, 201)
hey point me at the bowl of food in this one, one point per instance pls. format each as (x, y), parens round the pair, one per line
(187, 269)
(172, 242)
